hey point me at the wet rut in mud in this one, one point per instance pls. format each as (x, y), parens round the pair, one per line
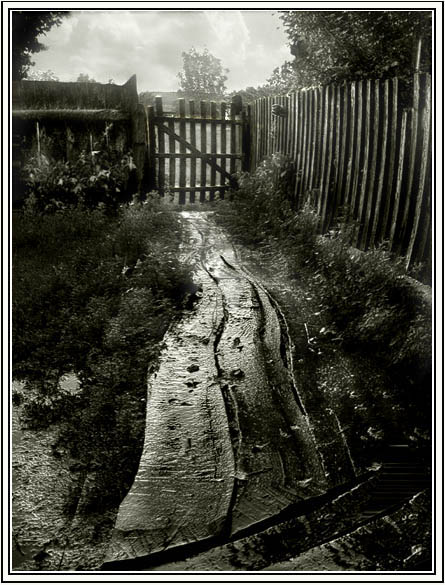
(227, 442)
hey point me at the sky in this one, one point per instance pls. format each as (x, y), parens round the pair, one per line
(117, 44)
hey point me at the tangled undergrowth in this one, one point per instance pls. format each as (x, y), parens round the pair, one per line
(366, 302)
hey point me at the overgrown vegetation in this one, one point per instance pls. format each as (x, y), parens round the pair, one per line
(365, 302)
(101, 178)
(93, 293)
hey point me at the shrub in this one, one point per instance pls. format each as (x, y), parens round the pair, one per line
(93, 178)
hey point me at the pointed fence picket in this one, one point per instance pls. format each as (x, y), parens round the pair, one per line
(358, 153)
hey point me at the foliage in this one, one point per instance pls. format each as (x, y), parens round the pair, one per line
(337, 46)
(202, 77)
(27, 26)
(93, 178)
(147, 98)
(85, 78)
(365, 299)
(250, 94)
(38, 75)
(94, 294)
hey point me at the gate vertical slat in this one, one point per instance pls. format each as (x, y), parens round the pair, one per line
(182, 150)
(161, 145)
(232, 139)
(172, 161)
(373, 167)
(223, 141)
(193, 159)
(151, 147)
(203, 107)
(213, 115)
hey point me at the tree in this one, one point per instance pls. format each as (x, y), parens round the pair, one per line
(85, 78)
(202, 77)
(38, 75)
(147, 98)
(336, 46)
(26, 26)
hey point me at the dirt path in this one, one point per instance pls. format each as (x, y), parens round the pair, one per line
(227, 440)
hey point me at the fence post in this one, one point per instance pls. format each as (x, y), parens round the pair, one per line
(151, 178)
(139, 143)
(245, 139)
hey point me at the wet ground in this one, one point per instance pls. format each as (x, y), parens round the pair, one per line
(246, 462)
(227, 442)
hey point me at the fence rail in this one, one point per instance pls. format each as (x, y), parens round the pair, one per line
(357, 152)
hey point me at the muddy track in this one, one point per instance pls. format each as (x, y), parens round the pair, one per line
(228, 447)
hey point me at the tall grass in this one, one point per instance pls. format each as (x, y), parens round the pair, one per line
(94, 294)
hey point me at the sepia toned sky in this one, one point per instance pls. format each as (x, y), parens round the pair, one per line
(116, 44)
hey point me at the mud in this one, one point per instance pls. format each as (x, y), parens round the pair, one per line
(227, 440)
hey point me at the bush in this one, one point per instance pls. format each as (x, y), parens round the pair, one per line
(363, 300)
(93, 178)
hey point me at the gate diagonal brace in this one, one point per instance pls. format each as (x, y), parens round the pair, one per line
(232, 181)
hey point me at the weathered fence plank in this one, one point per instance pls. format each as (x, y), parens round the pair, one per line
(192, 141)
(203, 127)
(159, 111)
(356, 154)
(402, 176)
(423, 203)
(213, 150)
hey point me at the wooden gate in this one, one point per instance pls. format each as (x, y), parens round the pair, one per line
(194, 156)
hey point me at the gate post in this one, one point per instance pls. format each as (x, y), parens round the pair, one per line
(151, 171)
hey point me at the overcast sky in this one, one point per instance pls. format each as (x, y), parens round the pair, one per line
(116, 44)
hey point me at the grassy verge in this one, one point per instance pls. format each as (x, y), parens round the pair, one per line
(93, 293)
(359, 304)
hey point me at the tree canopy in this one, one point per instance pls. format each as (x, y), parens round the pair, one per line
(342, 45)
(203, 76)
(26, 26)
(85, 78)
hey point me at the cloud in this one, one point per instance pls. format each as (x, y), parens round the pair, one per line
(116, 43)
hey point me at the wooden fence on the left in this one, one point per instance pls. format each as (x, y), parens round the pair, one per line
(59, 120)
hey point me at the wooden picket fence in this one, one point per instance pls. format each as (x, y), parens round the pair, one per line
(195, 155)
(357, 152)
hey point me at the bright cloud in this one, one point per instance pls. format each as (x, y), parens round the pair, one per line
(116, 44)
